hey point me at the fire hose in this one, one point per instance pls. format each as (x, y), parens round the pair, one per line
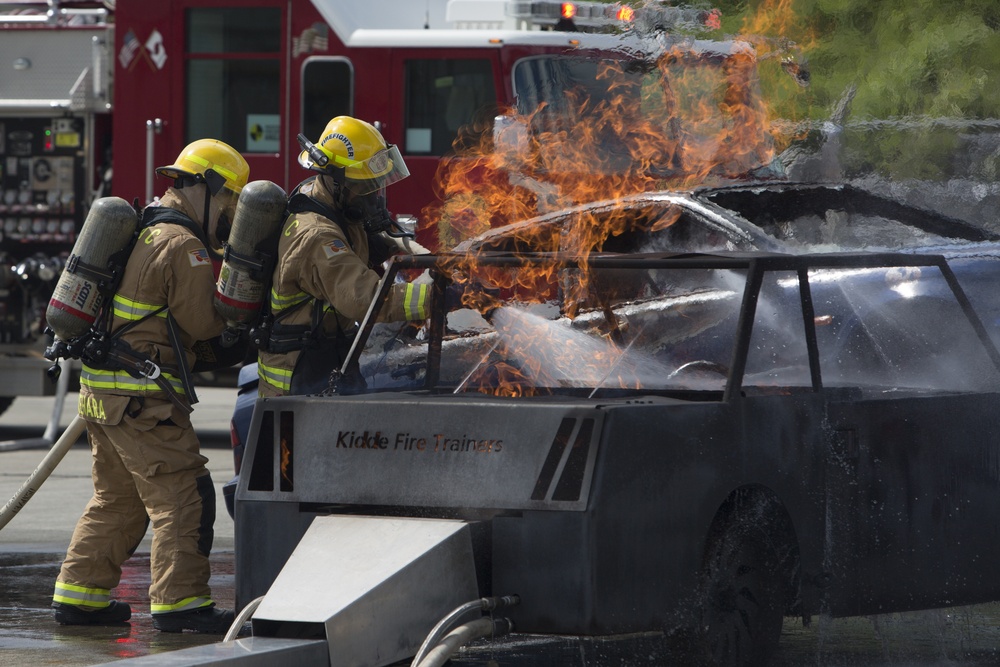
(444, 646)
(461, 635)
(94, 347)
(76, 428)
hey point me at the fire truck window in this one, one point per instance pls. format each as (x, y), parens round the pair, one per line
(444, 98)
(244, 95)
(230, 96)
(242, 30)
(327, 91)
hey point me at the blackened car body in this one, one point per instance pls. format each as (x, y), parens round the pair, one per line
(704, 441)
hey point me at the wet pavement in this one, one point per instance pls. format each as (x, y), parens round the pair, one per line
(29, 635)
(33, 543)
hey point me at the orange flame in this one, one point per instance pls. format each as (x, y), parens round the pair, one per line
(286, 456)
(690, 117)
(687, 120)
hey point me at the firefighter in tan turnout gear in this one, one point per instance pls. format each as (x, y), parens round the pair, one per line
(147, 467)
(337, 231)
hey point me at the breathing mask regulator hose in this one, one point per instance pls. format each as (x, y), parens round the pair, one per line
(371, 211)
(76, 428)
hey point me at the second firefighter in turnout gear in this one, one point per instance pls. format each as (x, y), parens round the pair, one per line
(147, 467)
(337, 231)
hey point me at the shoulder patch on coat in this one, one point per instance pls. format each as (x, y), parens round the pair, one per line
(334, 247)
(199, 257)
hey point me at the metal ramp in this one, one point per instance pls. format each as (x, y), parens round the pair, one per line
(358, 591)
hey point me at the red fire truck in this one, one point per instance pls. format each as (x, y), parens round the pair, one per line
(55, 124)
(128, 83)
(256, 73)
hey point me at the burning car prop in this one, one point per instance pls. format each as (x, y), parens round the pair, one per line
(667, 407)
(777, 216)
(630, 443)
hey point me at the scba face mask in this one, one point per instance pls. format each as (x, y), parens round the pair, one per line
(370, 210)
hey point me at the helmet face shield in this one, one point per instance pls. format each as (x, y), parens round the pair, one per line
(355, 154)
(379, 171)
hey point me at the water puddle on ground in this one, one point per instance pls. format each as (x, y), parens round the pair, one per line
(30, 636)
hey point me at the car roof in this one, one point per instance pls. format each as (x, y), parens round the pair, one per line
(737, 209)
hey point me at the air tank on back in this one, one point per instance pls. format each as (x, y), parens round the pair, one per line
(246, 268)
(77, 298)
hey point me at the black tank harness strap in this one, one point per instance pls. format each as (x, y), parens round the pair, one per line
(283, 338)
(142, 365)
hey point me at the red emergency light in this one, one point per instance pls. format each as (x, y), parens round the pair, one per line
(568, 10)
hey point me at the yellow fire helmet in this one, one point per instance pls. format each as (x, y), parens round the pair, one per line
(358, 149)
(210, 161)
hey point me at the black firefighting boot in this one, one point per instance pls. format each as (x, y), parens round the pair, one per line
(115, 613)
(208, 620)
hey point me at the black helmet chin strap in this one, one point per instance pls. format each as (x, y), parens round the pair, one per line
(214, 182)
(204, 217)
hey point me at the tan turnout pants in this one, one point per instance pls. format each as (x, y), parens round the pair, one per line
(145, 465)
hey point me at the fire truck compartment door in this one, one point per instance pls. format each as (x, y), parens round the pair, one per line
(52, 69)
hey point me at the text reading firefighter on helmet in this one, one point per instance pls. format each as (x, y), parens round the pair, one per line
(147, 467)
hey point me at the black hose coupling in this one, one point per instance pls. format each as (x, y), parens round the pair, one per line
(502, 626)
(489, 604)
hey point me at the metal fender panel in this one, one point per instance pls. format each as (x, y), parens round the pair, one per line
(424, 451)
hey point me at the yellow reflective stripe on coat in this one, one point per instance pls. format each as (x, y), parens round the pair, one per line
(81, 596)
(96, 378)
(279, 302)
(127, 309)
(276, 377)
(415, 301)
(183, 605)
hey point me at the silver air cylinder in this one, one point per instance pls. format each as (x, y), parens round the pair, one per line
(76, 299)
(239, 292)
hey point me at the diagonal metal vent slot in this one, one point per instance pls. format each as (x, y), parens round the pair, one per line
(571, 480)
(552, 460)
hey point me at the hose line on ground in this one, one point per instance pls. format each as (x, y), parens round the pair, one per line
(463, 634)
(482, 604)
(241, 618)
(76, 428)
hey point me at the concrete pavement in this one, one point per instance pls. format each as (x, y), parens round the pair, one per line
(47, 520)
